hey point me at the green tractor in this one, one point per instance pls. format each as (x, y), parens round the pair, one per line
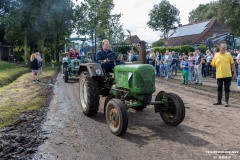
(130, 86)
(70, 67)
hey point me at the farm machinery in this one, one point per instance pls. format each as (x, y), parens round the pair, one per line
(70, 67)
(129, 86)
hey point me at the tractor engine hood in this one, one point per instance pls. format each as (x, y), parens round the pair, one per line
(139, 78)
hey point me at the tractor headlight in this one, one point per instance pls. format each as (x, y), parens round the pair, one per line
(99, 72)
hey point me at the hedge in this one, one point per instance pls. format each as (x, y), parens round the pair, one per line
(181, 49)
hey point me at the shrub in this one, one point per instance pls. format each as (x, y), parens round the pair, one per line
(47, 58)
(181, 49)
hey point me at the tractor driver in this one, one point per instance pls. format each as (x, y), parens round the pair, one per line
(106, 57)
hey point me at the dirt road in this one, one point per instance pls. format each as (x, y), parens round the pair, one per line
(206, 129)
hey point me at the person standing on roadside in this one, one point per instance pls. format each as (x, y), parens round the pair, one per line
(223, 62)
(185, 70)
(174, 68)
(191, 66)
(152, 57)
(213, 68)
(208, 66)
(238, 78)
(39, 59)
(167, 63)
(161, 69)
(234, 55)
(157, 62)
(198, 66)
(34, 67)
(129, 56)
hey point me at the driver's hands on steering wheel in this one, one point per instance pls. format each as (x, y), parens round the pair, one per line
(106, 60)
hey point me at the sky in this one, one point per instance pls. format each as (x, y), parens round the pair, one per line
(135, 15)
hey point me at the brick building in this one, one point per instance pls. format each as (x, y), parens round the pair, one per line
(195, 34)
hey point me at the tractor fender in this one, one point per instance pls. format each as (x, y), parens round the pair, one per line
(94, 69)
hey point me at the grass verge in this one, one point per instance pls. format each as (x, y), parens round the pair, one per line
(10, 72)
(24, 95)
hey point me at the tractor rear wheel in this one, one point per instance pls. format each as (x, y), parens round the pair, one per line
(174, 113)
(116, 116)
(65, 75)
(88, 94)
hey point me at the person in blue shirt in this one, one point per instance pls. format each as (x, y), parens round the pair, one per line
(161, 69)
(185, 70)
(106, 57)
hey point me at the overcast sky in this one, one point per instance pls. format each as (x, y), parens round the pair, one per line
(135, 15)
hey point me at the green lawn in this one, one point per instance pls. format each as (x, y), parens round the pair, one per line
(6, 65)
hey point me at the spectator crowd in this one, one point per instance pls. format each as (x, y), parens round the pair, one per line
(194, 65)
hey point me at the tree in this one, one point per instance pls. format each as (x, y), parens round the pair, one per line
(163, 17)
(34, 23)
(158, 43)
(229, 13)
(94, 19)
(115, 31)
(203, 12)
(226, 11)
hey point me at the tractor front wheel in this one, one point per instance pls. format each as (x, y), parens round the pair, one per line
(182, 104)
(65, 75)
(173, 113)
(116, 116)
(89, 95)
(107, 99)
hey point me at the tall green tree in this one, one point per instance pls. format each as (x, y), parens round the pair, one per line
(163, 17)
(34, 23)
(203, 12)
(229, 13)
(18, 23)
(116, 33)
(5, 7)
(94, 18)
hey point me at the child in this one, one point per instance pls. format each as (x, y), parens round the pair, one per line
(161, 69)
(185, 70)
